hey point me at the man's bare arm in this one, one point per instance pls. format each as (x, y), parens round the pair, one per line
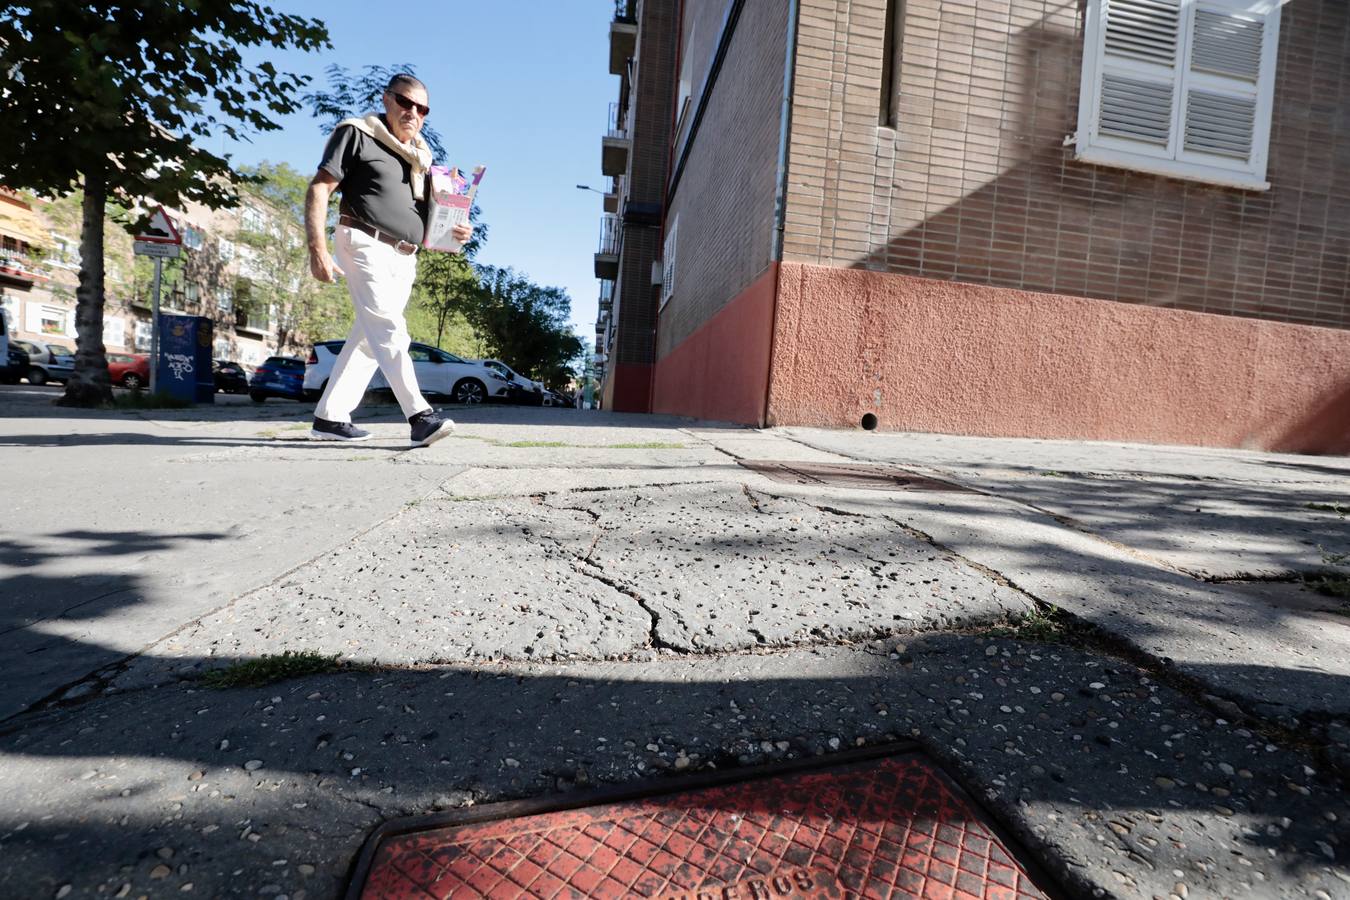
(316, 217)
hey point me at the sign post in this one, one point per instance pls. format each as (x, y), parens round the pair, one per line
(160, 241)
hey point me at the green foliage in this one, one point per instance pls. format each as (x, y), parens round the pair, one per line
(1330, 585)
(306, 309)
(122, 100)
(525, 325)
(271, 668)
(127, 90)
(357, 93)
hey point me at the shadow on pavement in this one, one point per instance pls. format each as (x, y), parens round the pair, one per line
(1092, 763)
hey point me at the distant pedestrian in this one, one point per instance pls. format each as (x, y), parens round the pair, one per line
(379, 165)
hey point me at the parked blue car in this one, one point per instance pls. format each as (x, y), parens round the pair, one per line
(279, 376)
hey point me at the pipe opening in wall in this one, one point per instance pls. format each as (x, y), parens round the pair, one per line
(869, 422)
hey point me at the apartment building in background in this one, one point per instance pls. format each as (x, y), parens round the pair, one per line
(1123, 220)
(634, 154)
(39, 275)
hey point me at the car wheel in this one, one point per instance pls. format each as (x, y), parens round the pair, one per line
(132, 381)
(469, 391)
(257, 396)
(37, 376)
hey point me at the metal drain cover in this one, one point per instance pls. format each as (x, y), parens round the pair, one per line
(872, 478)
(894, 826)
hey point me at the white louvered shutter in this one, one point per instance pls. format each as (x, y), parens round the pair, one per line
(1180, 87)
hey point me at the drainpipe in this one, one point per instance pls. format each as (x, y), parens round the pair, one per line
(780, 196)
(784, 126)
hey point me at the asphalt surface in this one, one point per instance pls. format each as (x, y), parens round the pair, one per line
(1113, 646)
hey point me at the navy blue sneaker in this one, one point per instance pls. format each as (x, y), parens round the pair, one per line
(324, 430)
(428, 428)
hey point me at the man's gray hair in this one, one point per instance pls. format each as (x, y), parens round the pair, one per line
(403, 79)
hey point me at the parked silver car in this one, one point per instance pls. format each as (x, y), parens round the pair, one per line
(46, 362)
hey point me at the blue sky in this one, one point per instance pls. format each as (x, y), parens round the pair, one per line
(521, 86)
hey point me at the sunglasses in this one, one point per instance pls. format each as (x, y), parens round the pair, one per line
(404, 102)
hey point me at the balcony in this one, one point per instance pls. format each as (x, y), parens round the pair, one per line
(18, 269)
(612, 196)
(622, 35)
(607, 256)
(606, 296)
(614, 147)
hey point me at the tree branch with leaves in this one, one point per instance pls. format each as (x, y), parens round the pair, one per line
(120, 99)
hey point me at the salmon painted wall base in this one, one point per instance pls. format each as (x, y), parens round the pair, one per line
(721, 371)
(946, 357)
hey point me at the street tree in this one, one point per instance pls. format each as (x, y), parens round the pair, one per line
(526, 325)
(356, 93)
(276, 261)
(121, 100)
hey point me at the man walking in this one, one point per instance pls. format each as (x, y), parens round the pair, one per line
(379, 165)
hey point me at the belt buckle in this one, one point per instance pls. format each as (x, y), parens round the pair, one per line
(411, 248)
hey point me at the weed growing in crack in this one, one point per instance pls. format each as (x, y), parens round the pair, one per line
(1329, 585)
(526, 444)
(1336, 508)
(1044, 626)
(270, 669)
(650, 445)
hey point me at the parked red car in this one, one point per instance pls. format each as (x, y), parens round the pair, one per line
(130, 370)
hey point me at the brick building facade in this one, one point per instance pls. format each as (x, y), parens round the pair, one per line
(944, 228)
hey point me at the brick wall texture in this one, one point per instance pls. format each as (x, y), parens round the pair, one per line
(724, 200)
(975, 184)
(649, 118)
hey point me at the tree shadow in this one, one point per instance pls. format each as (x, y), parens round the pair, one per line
(337, 754)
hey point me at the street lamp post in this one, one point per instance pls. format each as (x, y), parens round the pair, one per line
(587, 187)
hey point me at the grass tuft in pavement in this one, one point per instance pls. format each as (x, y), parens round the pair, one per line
(1336, 508)
(1048, 626)
(270, 669)
(537, 444)
(650, 445)
(146, 400)
(1330, 585)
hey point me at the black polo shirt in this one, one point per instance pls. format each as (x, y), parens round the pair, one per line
(374, 183)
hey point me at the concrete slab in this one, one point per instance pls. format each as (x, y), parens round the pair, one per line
(1217, 514)
(1123, 786)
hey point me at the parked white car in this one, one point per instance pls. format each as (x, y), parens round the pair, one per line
(438, 372)
(534, 390)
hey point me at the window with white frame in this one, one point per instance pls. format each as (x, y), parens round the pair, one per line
(226, 250)
(1182, 88)
(254, 220)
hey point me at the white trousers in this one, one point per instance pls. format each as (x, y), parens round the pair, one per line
(380, 280)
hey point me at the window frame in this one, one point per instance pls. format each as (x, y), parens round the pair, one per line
(1175, 161)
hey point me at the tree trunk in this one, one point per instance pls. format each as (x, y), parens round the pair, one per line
(89, 385)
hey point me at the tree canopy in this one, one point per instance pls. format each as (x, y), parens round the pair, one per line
(354, 93)
(526, 325)
(123, 100)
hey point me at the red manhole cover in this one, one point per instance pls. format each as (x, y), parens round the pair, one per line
(890, 827)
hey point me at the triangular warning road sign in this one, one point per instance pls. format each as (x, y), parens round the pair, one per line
(160, 230)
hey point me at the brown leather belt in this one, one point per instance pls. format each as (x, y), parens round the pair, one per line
(401, 246)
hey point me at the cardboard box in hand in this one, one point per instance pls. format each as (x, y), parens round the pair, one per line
(449, 200)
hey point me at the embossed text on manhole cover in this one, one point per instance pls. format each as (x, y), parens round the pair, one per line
(872, 478)
(889, 827)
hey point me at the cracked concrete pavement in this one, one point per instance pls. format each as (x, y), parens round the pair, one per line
(554, 593)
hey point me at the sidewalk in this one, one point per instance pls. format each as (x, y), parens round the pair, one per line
(1113, 645)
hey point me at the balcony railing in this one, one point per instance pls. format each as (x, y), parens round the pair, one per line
(618, 127)
(18, 267)
(625, 11)
(606, 295)
(609, 235)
